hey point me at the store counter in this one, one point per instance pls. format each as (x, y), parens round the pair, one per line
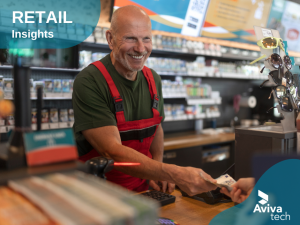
(190, 211)
(192, 139)
(212, 153)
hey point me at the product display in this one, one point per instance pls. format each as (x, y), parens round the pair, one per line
(63, 115)
(48, 86)
(45, 116)
(84, 199)
(57, 85)
(181, 112)
(53, 116)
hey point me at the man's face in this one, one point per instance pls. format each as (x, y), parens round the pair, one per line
(132, 44)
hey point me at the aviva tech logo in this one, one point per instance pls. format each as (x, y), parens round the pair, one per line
(263, 207)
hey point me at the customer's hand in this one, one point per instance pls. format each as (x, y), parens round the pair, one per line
(189, 180)
(165, 186)
(240, 190)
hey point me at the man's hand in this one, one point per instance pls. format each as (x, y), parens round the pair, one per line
(189, 180)
(240, 190)
(165, 186)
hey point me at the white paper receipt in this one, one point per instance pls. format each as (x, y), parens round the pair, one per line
(266, 32)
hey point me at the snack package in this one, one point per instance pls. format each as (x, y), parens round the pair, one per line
(10, 120)
(63, 115)
(57, 85)
(37, 84)
(33, 116)
(71, 114)
(45, 116)
(48, 85)
(71, 82)
(1, 82)
(8, 84)
(65, 86)
(53, 116)
(31, 85)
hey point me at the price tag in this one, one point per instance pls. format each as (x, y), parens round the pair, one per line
(266, 32)
(63, 125)
(33, 126)
(45, 126)
(53, 125)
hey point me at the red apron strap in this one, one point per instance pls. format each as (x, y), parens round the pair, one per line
(152, 88)
(118, 101)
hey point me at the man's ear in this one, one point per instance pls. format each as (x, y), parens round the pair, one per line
(109, 38)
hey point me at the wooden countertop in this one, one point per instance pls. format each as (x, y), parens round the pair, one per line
(187, 211)
(191, 139)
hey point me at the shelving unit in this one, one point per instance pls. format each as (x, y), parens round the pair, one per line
(44, 126)
(185, 53)
(193, 117)
(64, 100)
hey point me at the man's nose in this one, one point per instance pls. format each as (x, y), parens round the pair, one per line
(139, 46)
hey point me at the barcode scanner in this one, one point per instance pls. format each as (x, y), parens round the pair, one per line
(98, 166)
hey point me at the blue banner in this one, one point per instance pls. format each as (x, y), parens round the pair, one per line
(46, 24)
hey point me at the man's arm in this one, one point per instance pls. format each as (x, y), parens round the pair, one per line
(157, 146)
(106, 140)
(157, 151)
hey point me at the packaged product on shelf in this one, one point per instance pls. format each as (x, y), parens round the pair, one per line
(45, 116)
(1, 82)
(2, 122)
(65, 86)
(8, 85)
(57, 85)
(169, 43)
(85, 58)
(98, 35)
(178, 43)
(10, 120)
(53, 116)
(71, 115)
(159, 42)
(97, 56)
(164, 42)
(33, 116)
(48, 86)
(31, 85)
(37, 84)
(71, 82)
(63, 115)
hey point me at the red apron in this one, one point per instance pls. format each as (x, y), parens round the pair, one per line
(136, 134)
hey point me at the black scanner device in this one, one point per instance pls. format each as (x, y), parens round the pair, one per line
(98, 166)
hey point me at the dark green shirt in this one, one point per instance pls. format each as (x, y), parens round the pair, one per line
(93, 104)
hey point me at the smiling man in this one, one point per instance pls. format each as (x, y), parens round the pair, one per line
(118, 109)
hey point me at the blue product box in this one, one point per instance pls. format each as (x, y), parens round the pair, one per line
(57, 85)
(65, 86)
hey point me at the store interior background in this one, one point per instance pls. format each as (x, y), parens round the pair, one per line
(231, 55)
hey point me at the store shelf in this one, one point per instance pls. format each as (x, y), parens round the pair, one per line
(45, 69)
(205, 101)
(173, 52)
(217, 75)
(193, 117)
(44, 126)
(175, 96)
(49, 96)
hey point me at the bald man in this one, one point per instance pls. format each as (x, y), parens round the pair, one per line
(118, 109)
